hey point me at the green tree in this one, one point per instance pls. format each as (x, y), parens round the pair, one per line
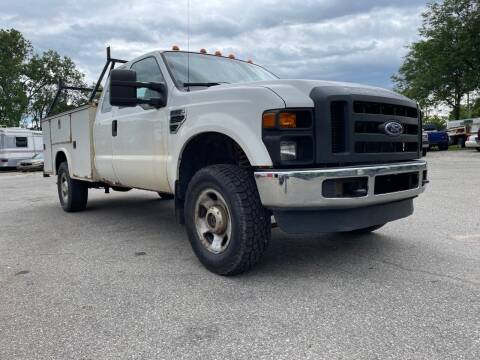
(471, 111)
(43, 73)
(14, 53)
(445, 65)
(28, 81)
(439, 122)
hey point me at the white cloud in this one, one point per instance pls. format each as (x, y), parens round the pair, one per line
(361, 41)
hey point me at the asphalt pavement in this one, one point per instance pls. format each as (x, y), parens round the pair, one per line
(120, 281)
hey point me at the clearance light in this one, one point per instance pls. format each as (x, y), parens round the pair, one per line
(288, 120)
(218, 53)
(250, 61)
(231, 56)
(203, 51)
(175, 48)
(268, 121)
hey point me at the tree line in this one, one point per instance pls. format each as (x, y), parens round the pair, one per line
(443, 67)
(28, 81)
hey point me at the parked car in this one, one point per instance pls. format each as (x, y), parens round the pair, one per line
(436, 138)
(474, 140)
(18, 144)
(33, 164)
(459, 131)
(234, 145)
(425, 143)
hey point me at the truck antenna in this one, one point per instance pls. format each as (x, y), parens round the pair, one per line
(188, 42)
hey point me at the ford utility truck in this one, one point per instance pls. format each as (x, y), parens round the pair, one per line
(238, 149)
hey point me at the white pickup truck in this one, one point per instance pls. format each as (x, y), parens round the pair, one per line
(238, 148)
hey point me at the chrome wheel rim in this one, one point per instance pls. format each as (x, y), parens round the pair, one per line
(213, 221)
(64, 187)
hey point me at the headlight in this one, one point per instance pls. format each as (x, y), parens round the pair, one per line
(288, 150)
(288, 135)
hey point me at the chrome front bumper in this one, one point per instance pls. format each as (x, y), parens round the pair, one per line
(302, 189)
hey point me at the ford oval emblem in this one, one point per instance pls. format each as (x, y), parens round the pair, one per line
(392, 128)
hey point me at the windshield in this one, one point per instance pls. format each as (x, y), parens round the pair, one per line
(213, 69)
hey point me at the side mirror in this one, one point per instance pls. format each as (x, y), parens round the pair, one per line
(123, 90)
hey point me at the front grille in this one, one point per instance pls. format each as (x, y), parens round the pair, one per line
(368, 107)
(364, 147)
(354, 128)
(368, 135)
(373, 127)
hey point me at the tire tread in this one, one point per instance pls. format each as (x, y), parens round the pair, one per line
(254, 222)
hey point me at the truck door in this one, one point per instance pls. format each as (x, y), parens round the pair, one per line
(102, 137)
(139, 144)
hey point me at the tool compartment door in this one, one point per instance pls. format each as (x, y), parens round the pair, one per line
(82, 148)
(47, 148)
(60, 129)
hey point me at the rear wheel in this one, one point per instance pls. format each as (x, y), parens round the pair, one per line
(73, 194)
(227, 225)
(478, 149)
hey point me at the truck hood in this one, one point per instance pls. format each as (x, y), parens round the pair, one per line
(296, 93)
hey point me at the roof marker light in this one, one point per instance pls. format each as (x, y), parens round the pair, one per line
(203, 51)
(218, 53)
(175, 48)
(231, 56)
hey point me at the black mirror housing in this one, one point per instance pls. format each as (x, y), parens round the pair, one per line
(123, 90)
(121, 95)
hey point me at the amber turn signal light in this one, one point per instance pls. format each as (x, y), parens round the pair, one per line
(268, 120)
(287, 120)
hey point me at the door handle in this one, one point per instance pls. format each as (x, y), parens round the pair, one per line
(114, 128)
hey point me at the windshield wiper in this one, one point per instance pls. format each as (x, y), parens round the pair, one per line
(207, 84)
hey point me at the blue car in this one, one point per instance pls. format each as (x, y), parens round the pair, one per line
(436, 138)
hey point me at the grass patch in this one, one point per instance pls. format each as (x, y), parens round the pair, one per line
(455, 148)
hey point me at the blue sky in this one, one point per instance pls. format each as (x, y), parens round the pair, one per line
(361, 41)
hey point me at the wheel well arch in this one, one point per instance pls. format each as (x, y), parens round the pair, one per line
(204, 149)
(59, 158)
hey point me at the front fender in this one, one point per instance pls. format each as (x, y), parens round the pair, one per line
(233, 112)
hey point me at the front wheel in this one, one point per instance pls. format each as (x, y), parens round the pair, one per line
(227, 225)
(73, 194)
(424, 152)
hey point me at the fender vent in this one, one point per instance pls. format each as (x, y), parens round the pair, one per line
(177, 117)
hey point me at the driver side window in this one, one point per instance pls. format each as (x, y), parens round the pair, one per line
(148, 71)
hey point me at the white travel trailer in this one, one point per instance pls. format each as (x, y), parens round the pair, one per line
(18, 144)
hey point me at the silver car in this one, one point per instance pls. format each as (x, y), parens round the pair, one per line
(33, 164)
(425, 143)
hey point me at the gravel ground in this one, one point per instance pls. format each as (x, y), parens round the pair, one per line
(119, 281)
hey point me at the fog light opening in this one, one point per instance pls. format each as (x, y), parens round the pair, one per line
(288, 150)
